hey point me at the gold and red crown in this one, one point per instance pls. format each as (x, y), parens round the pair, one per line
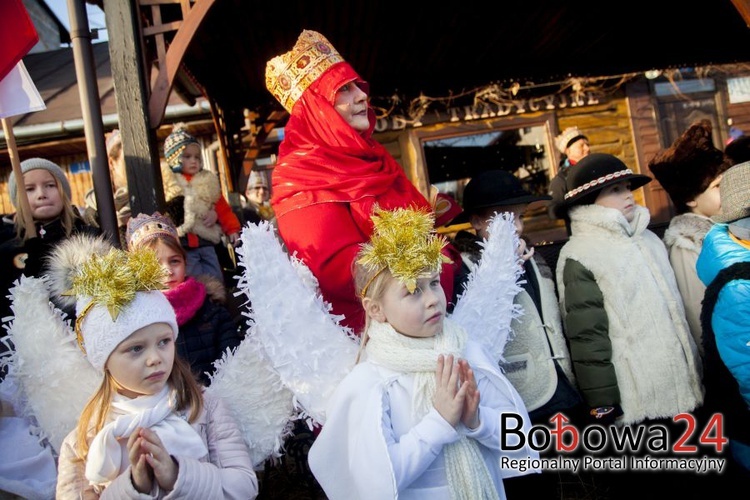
(291, 73)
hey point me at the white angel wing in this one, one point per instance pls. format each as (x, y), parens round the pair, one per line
(53, 376)
(262, 406)
(485, 308)
(305, 344)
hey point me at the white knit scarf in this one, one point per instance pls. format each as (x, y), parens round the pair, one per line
(468, 477)
(107, 452)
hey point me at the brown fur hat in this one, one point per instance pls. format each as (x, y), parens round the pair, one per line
(688, 166)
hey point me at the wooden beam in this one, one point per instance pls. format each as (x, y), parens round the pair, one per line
(162, 28)
(169, 66)
(743, 7)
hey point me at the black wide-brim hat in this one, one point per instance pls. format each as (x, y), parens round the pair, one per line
(595, 172)
(494, 188)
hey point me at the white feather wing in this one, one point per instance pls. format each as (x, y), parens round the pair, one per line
(305, 344)
(259, 402)
(485, 308)
(53, 376)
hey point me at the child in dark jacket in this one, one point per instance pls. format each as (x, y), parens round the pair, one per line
(206, 327)
(53, 217)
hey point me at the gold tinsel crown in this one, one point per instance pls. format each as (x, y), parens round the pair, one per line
(404, 242)
(112, 280)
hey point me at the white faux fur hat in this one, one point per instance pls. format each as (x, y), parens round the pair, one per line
(102, 334)
(115, 292)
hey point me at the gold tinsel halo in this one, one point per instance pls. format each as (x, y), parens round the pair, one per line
(112, 280)
(405, 242)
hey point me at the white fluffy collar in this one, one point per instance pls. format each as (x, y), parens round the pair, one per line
(584, 218)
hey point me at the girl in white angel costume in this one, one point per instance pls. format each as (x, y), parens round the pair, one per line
(420, 416)
(293, 358)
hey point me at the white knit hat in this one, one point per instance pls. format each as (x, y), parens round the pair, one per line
(102, 334)
(568, 137)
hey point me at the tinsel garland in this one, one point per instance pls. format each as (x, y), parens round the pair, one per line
(53, 377)
(306, 345)
(485, 308)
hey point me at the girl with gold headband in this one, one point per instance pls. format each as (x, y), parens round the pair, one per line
(148, 430)
(420, 413)
(330, 171)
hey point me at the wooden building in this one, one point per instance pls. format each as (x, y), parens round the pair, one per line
(484, 86)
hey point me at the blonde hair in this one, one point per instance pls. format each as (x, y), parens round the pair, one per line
(68, 214)
(368, 283)
(93, 418)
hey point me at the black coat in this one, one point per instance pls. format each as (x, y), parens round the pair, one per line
(18, 257)
(206, 336)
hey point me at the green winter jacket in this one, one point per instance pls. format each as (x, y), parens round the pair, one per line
(587, 328)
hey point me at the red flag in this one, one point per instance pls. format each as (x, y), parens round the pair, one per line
(17, 34)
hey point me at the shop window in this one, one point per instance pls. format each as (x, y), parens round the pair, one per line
(453, 155)
(681, 103)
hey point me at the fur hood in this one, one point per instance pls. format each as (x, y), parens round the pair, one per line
(687, 231)
(215, 289)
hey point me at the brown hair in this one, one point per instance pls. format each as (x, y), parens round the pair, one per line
(169, 242)
(188, 390)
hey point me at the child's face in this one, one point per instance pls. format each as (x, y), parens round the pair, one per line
(419, 314)
(142, 363)
(117, 170)
(708, 203)
(620, 197)
(44, 195)
(172, 262)
(191, 159)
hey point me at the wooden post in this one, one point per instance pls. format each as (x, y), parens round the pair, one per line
(24, 207)
(129, 74)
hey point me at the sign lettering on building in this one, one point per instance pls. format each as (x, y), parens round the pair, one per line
(490, 110)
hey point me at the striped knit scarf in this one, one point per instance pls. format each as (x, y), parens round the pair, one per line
(468, 477)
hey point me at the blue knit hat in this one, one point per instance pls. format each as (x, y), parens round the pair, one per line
(175, 144)
(34, 164)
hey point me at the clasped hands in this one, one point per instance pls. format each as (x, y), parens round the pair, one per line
(456, 392)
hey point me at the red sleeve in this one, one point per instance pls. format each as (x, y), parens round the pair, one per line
(229, 222)
(449, 270)
(327, 239)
